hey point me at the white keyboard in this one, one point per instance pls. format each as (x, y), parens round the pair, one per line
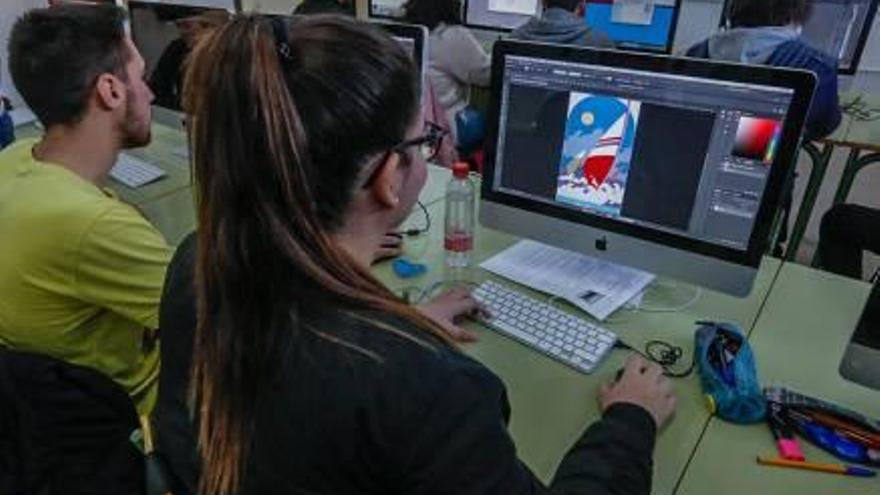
(550, 331)
(134, 172)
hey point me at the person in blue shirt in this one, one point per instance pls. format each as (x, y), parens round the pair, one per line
(7, 128)
(562, 21)
(768, 32)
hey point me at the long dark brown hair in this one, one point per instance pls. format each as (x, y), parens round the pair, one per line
(284, 119)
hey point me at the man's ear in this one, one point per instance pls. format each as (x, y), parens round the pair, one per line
(387, 181)
(110, 92)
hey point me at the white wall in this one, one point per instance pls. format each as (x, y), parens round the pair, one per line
(10, 10)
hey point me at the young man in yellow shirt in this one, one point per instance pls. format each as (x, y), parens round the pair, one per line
(81, 273)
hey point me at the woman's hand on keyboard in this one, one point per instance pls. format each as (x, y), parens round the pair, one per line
(642, 384)
(449, 308)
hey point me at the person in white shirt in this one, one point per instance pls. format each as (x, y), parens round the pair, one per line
(456, 58)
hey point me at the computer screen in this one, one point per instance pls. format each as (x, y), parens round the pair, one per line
(164, 34)
(500, 14)
(647, 25)
(392, 9)
(647, 146)
(414, 40)
(839, 28)
(861, 360)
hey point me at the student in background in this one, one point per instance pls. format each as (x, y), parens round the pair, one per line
(166, 80)
(80, 272)
(308, 7)
(562, 21)
(310, 376)
(456, 61)
(767, 32)
(7, 127)
(847, 231)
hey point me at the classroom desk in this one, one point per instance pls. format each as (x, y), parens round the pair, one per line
(552, 404)
(166, 151)
(798, 342)
(859, 136)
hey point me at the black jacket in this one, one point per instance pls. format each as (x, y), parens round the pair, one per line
(64, 429)
(385, 414)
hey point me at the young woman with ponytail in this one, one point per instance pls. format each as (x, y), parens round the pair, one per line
(308, 375)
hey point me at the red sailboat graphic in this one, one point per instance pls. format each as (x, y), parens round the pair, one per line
(600, 159)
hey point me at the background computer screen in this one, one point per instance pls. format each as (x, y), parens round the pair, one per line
(683, 155)
(387, 8)
(409, 45)
(868, 331)
(164, 34)
(500, 14)
(635, 24)
(839, 28)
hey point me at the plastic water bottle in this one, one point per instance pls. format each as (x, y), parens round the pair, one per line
(458, 240)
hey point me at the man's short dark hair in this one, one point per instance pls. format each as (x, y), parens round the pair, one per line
(569, 5)
(759, 13)
(56, 55)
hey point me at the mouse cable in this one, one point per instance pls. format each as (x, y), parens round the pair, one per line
(663, 353)
(417, 231)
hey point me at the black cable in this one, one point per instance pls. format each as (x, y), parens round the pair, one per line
(664, 354)
(426, 228)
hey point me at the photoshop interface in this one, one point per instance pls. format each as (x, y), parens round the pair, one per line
(502, 14)
(675, 153)
(836, 26)
(387, 8)
(633, 24)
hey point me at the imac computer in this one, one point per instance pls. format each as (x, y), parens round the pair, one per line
(164, 33)
(673, 166)
(502, 15)
(414, 40)
(839, 28)
(388, 9)
(861, 361)
(642, 26)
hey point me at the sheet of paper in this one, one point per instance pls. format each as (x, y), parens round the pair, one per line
(635, 12)
(597, 287)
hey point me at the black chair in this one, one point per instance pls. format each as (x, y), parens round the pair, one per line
(65, 429)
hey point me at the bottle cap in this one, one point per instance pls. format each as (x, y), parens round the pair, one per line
(460, 170)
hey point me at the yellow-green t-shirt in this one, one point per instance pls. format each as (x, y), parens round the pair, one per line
(81, 273)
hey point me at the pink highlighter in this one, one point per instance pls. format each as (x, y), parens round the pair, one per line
(786, 442)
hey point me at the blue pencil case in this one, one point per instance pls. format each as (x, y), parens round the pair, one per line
(728, 374)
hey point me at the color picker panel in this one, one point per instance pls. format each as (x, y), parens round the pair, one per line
(756, 139)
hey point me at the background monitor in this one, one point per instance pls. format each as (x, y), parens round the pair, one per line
(861, 361)
(414, 39)
(674, 166)
(839, 28)
(164, 33)
(500, 14)
(389, 9)
(635, 25)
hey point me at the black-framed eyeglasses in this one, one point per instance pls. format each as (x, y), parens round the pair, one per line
(428, 143)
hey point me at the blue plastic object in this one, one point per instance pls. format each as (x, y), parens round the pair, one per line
(728, 374)
(404, 268)
(470, 125)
